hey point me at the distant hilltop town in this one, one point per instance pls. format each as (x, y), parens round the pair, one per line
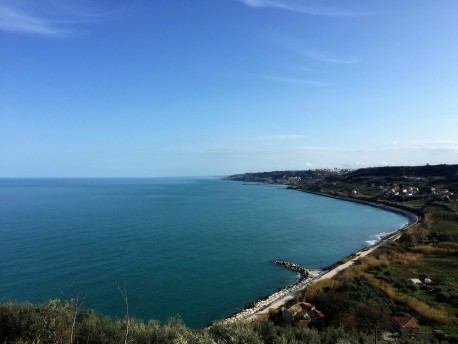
(289, 177)
(390, 183)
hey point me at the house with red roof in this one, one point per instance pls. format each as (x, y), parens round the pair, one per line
(405, 325)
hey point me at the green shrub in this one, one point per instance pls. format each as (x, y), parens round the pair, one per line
(234, 333)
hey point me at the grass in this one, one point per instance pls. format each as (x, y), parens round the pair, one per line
(429, 249)
(425, 310)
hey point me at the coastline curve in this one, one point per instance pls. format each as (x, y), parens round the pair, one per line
(262, 305)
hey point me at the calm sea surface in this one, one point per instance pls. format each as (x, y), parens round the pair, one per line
(200, 248)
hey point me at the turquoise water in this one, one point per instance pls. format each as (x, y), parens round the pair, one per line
(200, 248)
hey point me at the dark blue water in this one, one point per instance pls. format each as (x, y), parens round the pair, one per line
(200, 248)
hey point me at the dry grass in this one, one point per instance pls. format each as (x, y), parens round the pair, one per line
(404, 258)
(428, 219)
(318, 288)
(448, 249)
(448, 245)
(372, 261)
(426, 311)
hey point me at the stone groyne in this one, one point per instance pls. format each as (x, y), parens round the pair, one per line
(294, 267)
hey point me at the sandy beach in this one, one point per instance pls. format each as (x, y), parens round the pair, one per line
(277, 299)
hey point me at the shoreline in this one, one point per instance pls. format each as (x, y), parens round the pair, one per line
(412, 217)
(261, 306)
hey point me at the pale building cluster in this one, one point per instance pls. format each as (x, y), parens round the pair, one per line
(396, 190)
(409, 191)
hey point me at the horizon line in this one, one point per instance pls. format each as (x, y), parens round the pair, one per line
(215, 175)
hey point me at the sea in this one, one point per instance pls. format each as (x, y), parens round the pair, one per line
(197, 249)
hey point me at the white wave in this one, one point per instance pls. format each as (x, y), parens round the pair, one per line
(376, 238)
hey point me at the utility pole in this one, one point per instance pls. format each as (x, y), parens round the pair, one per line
(376, 328)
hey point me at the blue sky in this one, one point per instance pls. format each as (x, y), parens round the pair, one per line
(214, 87)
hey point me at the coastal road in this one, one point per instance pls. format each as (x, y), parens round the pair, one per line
(263, 307)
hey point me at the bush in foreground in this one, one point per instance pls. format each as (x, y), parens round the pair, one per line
(55, 322)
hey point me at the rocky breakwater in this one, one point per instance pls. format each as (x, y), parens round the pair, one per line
(252, 309)
(294, 267)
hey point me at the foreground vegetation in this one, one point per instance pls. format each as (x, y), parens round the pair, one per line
(54, 322)
(358, 304)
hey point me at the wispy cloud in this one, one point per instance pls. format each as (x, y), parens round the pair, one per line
(19, 21)
(273, 138)
(410, 146)
(299, 47)
(301, 82)
(304, 7)
(434, 145)
(403, 149)
(323, 57)
(262, 138)
(263, 157)
(307, 69)
(49, 19)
